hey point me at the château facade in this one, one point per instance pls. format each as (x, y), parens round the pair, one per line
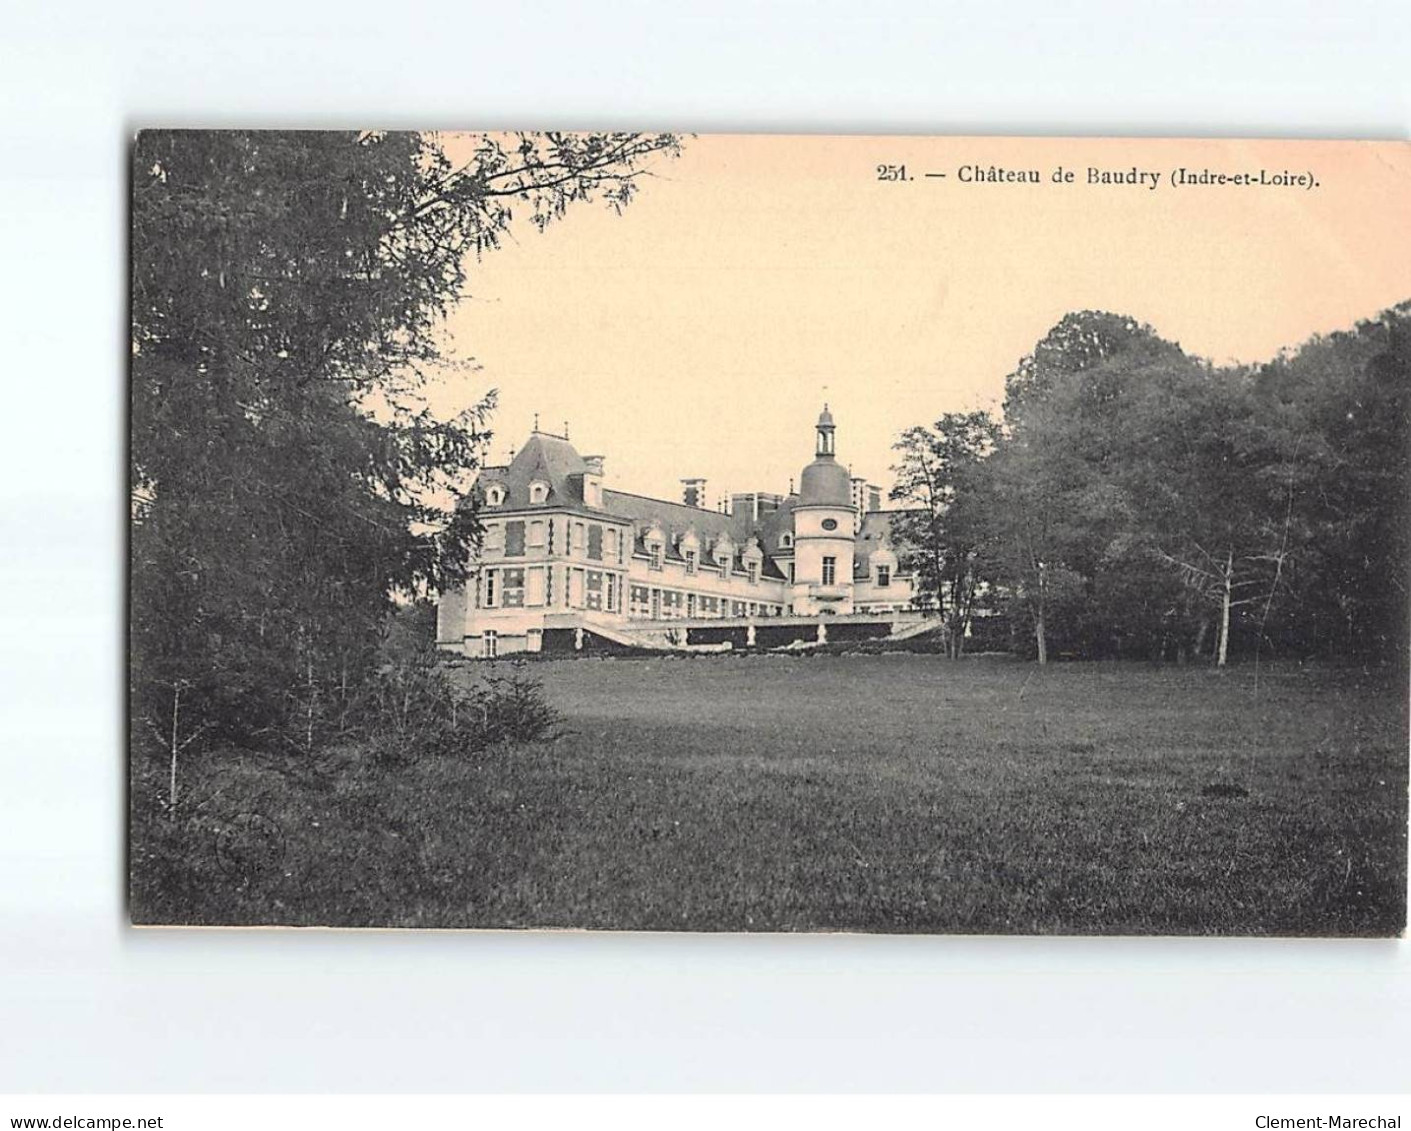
(563, 553)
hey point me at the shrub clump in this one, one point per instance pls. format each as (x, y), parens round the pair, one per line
(414, 707)
(233, 834)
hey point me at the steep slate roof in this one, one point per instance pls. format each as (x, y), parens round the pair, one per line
(774, 524)
(677, 518)
(544, 457)
(674, 518)
(876, 526)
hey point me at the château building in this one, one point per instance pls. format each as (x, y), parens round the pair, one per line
(567, 562)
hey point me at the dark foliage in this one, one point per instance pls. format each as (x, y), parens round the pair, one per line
(1143, 503)
(289, 482)
(226, 838)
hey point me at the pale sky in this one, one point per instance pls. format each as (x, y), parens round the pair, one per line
(698, 333)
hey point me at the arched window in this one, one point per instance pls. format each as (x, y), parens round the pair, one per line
(494, 495)
(538, 492)
(786, 541)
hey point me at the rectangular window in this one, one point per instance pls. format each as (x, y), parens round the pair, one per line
(754, 573)
(612, 592)
(536, 534)
(737, 608)
(594, 598)
(884, 576)
(514, 539)
(830, 571)
(576, 540)
(610, 544)
(657, 552)
(575, 588)
(690, 604)
(595, 542)
(690, 563)
(512, 591)
(489, 588)
(791, 573)
(493, 541)
(491, 645)
(640, 603)
(534, 589)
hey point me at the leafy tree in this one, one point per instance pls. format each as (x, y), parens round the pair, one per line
(1183, 505)
(1214, 480)
(940, 530)
(1058, 518)
(1032, 513)
(288, 479)
(1081, 341)
(1345, 396)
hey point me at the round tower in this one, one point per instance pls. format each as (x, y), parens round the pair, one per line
(823, 531)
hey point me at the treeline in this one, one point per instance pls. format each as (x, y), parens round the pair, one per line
(290, 488)
(1135, 501)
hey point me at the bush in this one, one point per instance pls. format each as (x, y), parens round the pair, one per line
(229, 850)
(512, 708)
(414, 707)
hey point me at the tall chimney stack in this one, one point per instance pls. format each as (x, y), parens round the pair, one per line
(693, 492)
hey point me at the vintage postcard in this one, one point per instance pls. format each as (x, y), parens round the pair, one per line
(768, 533)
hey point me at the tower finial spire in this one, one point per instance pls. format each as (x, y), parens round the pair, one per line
(825, 432)
(536, 422)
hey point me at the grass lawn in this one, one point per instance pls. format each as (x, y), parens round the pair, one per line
(880, 793)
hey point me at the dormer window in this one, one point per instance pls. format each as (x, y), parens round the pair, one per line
(753, 570)
(884, 576)
(655, 541)
(786, 542)
(538, 492)
(494, 495)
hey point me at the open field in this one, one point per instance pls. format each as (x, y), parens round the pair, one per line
(884, 793)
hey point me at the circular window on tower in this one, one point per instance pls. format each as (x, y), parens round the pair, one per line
(830, 524)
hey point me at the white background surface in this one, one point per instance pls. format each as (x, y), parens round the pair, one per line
(87, 1004)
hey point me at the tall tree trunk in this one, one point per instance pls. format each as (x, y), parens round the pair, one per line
(1225, 610)
(175, 747)
(1039, 621)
